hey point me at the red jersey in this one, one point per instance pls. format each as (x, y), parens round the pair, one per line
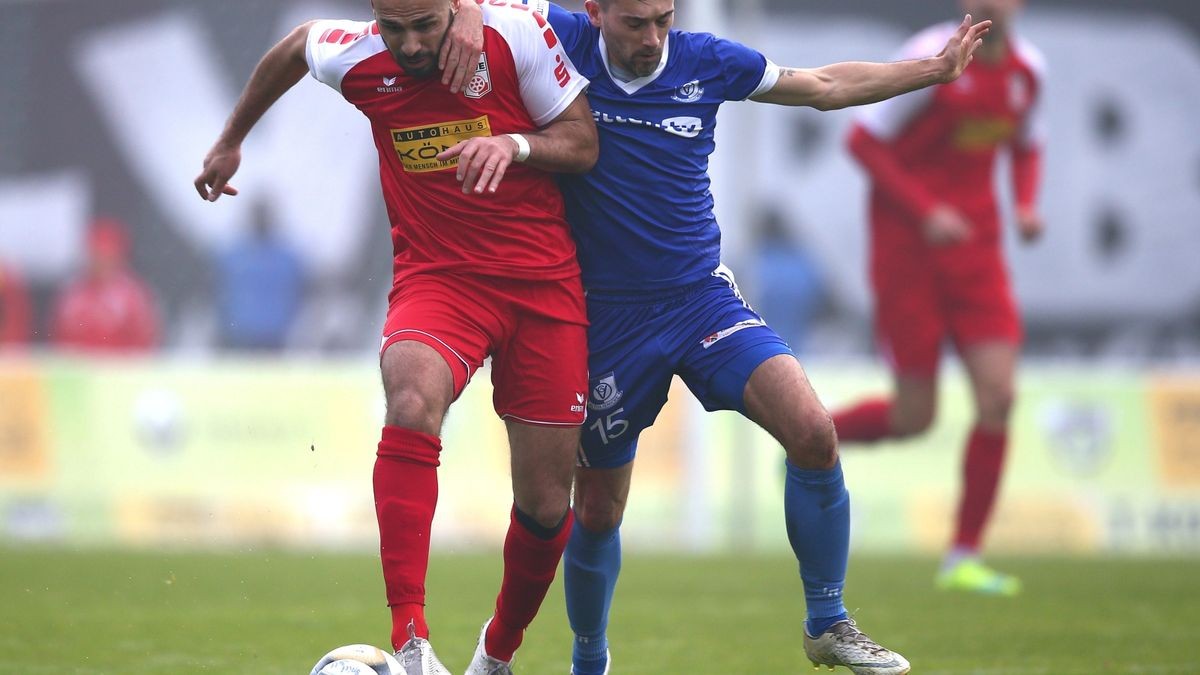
(114, 315)
(523, 81)
(943, 139)
(14, 310)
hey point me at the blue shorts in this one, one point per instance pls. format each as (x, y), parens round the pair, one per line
(705, 333)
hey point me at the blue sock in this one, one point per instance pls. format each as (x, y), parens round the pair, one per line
(816, 509)
(591, 564)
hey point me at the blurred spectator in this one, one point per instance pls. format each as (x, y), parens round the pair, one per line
(107, 308)
(260, 288)
(789, 291)
(14, 309)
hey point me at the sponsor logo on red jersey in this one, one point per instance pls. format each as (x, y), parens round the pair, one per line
(389, 86)
(561, 72)
(418, 147)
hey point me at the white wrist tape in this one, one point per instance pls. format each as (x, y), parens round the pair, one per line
(522, 147)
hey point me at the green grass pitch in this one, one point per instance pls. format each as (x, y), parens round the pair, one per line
(265, 612)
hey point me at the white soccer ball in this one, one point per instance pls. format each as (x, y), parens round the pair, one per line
(347, 667)
(357, 660)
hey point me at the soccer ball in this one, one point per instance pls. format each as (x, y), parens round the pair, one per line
(347, 667)
(357, 660)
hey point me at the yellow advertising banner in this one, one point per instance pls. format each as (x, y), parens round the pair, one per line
(238, 452)
(24, 428)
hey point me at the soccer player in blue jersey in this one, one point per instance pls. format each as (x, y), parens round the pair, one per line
(661, 304)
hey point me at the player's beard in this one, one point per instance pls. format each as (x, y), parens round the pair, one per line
(423, 64)
(644, 64)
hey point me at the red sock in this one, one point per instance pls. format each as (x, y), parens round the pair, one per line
(865, 422)
(982, 469)
(406, 491)
(529, 566)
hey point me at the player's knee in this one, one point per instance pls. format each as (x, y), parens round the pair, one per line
(598, 514)
(995, 406)
(548, 512)
(814, 444)
(912, 421)
(412, 409)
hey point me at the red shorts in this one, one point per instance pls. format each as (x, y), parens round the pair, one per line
(535, 332)
(921, 300)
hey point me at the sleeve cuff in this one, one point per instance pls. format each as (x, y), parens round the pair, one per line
(769, 79)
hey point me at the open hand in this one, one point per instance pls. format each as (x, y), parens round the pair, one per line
(1030, 225)
(960, 49)
(945, 225)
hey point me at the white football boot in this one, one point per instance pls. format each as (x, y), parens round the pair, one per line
(845, 645)
(482, 664)
(416, 657)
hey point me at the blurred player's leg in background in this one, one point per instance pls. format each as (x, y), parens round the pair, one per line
(592, 562)
(991, 367)
(910, 411)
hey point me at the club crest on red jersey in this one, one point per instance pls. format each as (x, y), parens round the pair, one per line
(481, 82)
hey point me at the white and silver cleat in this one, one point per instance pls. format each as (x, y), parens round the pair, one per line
(416, 657)
(482, 664)
(845, 645)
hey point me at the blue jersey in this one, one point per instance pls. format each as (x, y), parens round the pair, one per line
(643, 217)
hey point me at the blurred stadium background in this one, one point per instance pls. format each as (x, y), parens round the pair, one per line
(213, 440)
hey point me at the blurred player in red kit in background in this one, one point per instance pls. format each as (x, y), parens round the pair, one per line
(14, 309)
(937, 268)
(107, 309)
(481, 268)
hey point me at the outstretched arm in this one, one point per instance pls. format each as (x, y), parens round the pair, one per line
(279, 70)
(841, 85)
(569, 144)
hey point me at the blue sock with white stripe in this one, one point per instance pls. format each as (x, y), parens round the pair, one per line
(591, 565)
(817, 512)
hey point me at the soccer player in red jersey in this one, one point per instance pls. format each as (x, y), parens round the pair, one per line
(937, 268)
(14, 310)
(481, 269)
(108, 309)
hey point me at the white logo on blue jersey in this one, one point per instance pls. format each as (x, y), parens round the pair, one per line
(689, 93)
(687, 127)
(735, 328)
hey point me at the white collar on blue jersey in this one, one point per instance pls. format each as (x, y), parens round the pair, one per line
(631, 87)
